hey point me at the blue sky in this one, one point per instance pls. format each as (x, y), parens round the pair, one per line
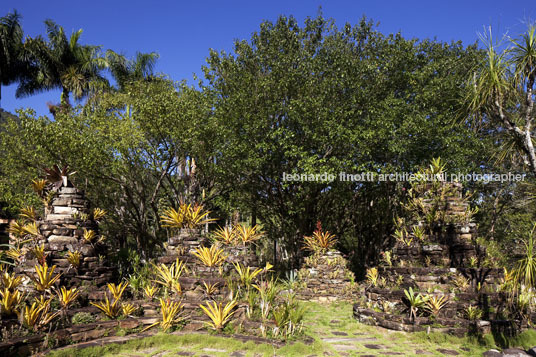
(182, 32)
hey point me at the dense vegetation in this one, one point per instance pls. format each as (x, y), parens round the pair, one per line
(309, 98)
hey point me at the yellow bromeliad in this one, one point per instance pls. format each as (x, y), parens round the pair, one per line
(211, 257)
(10, 300)
(67, 296)
(219, 315)
(171, 314)
(128, 309)
(117, 290)
(111, 310)
(10, 281)
(320, 241)
(246, 274)
(31, 316)
(226, 235)
(45, 277)
(169, 276)
(151, 291)
(74, 258)
(246, 234)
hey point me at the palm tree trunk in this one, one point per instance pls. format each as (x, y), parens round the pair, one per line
(64, 99)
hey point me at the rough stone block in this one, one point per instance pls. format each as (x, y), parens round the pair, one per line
(64, 210)
(62, 232)
(61, 202)
(62, 263)
(87, 250)
(62, 239)
(68, 190)
(61, 218)
(432, 248)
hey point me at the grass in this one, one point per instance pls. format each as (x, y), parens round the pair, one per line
(322, 322)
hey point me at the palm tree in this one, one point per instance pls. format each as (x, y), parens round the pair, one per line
(62, 63)
(125, 71)
(502, 91)
(10, 49)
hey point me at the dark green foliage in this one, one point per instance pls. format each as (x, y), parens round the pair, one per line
(129, 151)
(316, 99)
(11, 62)
(62, 63)
(309, 98)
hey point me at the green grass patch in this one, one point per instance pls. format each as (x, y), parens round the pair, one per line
(322, 321)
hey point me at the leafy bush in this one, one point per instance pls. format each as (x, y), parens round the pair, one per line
(82, 317)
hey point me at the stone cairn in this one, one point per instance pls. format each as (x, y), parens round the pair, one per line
(61, 232)
(442, 264)
(184, 244)
(326, 277)
(452, 245)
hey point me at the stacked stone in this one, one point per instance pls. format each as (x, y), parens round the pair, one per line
(437, 268)
(182, 246)
(4, 226)
(62, 232)
(240, 254)
(452, 246)
(326, 277)
(186, 242)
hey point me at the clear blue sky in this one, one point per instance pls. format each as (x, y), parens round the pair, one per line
(183, 31)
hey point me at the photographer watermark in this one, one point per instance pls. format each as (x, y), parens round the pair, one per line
(403, 177)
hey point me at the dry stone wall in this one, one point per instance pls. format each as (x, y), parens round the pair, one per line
(182, 246)
(61, 232)
(326, 277)
(443, 264)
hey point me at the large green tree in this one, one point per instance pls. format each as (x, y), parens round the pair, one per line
(127, 149)
(126, 71)
(317, 99)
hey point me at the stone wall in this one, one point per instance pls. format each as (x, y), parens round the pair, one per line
(326, 277)
(61, 232)
(452, 241)
(444, 264)
(182, 246)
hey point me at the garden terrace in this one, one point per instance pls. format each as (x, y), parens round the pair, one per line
(431, 279)
(326, 277)
(69, 237)
(193, 320)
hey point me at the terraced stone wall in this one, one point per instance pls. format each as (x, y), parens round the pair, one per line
(61, 232)
(326, 277)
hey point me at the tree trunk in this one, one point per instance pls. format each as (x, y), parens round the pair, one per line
(64, 99)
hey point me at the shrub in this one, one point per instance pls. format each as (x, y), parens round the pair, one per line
(81, 318)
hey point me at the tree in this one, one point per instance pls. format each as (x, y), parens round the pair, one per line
(62, 63)
(501, 91)
(10, 49)
(315, 99)
(126, 71)
(128, 161)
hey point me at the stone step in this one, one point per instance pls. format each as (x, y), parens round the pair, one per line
(58, 217)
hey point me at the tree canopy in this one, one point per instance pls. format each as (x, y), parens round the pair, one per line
(294, 99)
